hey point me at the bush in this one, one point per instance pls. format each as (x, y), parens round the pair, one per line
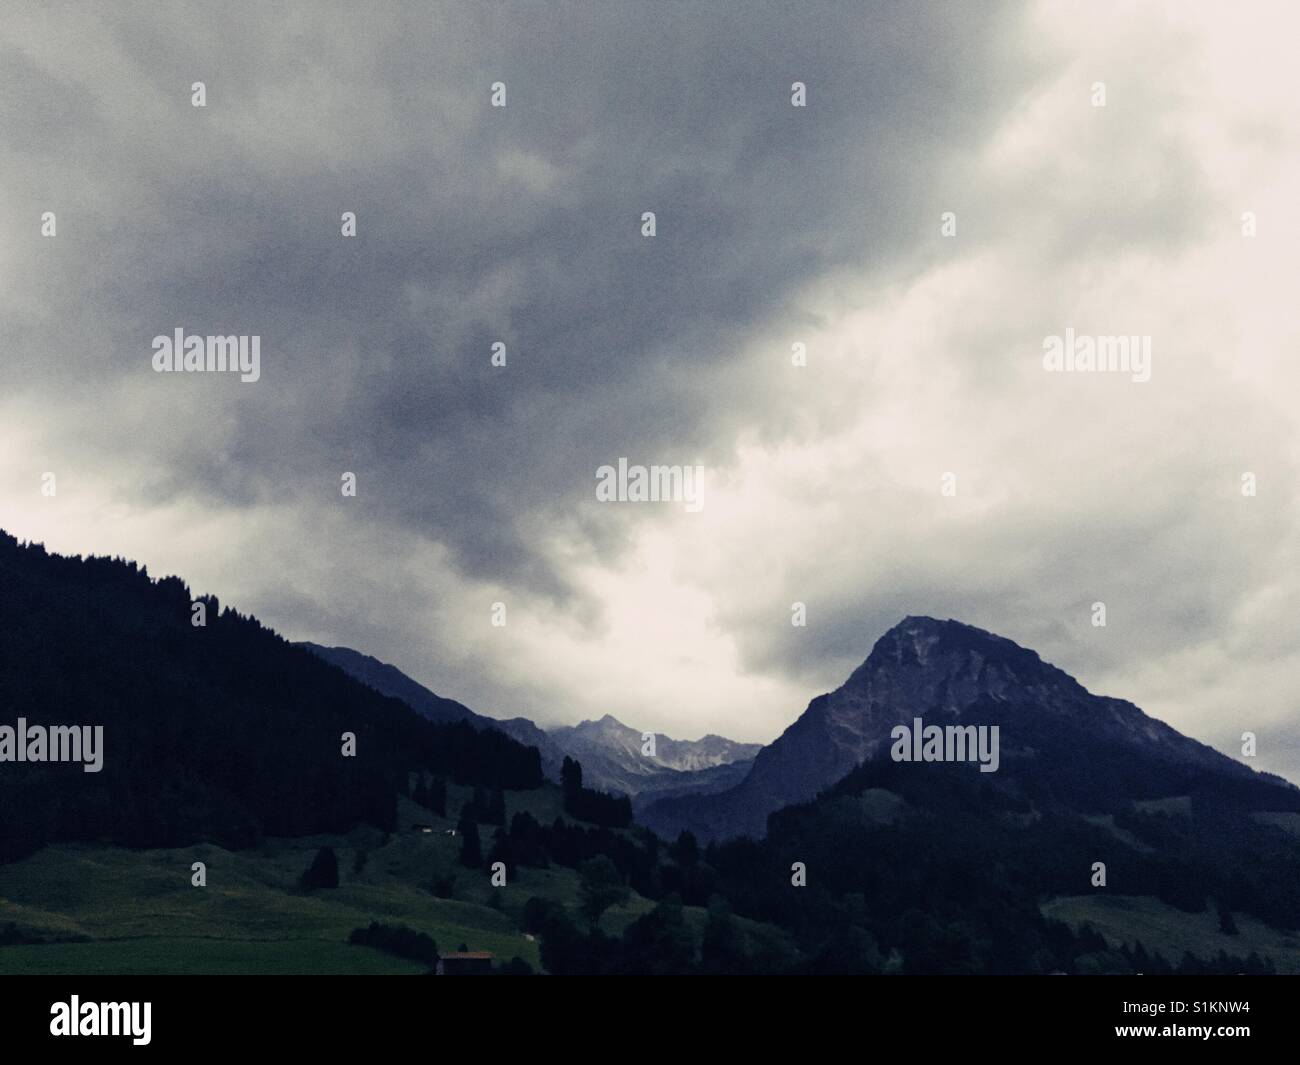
(397, 940)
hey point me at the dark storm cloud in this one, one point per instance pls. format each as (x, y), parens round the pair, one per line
(475, 225)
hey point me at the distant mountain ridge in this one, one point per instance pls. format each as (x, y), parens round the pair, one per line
(389, 680)
(610, 751)
(685, 755)
(944, 672)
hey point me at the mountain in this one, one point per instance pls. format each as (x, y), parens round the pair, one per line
(1060, 744)
(610, 751)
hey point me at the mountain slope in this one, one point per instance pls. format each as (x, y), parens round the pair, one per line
(389, 680)
(1058, 740)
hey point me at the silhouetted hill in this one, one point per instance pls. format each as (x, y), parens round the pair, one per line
(223, 732)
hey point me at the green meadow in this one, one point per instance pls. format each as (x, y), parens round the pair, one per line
(104, 909)
(107, 910)
(1129, 919)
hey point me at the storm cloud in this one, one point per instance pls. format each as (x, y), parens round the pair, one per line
(775, 225)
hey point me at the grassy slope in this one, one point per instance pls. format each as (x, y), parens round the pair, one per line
(1171, 932)
(139, 914)
(1165, 929)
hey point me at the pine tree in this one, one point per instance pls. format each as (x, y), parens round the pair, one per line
(323, 871)
(471, 850)
(571, 778)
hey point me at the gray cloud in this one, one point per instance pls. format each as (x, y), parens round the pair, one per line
(475, 225)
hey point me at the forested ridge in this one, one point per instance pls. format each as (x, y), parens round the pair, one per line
(223, 731)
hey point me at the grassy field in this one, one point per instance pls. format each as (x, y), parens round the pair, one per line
(1171, 932)
(135, 906)
(108, 910)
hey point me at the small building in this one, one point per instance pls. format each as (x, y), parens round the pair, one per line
(422, 828)
(465, 963)
(450, 832)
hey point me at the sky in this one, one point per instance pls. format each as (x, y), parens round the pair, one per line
(963, 183)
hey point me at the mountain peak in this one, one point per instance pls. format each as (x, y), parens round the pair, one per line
(939, 655)
(945, 671)
(615, 755)
(607, 725)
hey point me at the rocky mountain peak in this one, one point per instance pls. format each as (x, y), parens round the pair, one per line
(932, 664)
(946, 671)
